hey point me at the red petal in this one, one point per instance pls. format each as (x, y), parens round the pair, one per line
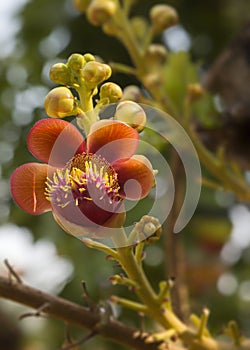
(27, 184)
(135, 177)
(55, 141)
(112, 140)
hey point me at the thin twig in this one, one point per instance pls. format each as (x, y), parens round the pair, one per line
(12, 272)
(76, 315)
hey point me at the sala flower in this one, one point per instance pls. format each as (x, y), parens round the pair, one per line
(82, 181)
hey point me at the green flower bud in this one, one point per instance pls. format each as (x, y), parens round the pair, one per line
(131, 113)
(76, 61)
(59, 102)
(99, 11)
(95, 72)
(89, 57)
(156, 54)
(162, 17)
(60, 74)
(111, 91)
(81, 5)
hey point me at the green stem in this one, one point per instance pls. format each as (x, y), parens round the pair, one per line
(216, 168)
(126, 35)
(154, 307)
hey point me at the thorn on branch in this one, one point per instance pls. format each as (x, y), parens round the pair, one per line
(37, 313)
(12, 272)
(90, 302)
(83, 340)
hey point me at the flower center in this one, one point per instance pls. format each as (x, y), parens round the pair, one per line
(86, 177)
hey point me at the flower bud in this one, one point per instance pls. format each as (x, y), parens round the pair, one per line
(95, 72)
(76, 61)
(59, 102)
(132, 92)
(148, 229)
(81, 5)
(99, 11)
(162, 17)
(156, 54)
(195, 91)
(89, 57)
(131, 113)
(153, 80)
(60, 74)
(111, 91)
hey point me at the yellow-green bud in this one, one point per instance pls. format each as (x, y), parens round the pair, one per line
(76, 61)
(132, 92)
(81, 5)
(195, 91)
(111, 91)
(59, 102)
(89, 57)
(162, 17)
(156, 54)
(95, 72)
(60, 74)
(153, 80)
(131, 113)
(99, 11)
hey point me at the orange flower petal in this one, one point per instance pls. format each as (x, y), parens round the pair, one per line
(135, 177)
(27, 184)
(55, 141)
(112, 140)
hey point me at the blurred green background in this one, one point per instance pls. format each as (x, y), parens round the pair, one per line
(37, 33)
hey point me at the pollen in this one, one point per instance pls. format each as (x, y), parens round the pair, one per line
(85, 178)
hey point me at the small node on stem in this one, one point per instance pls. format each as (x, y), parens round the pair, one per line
(202, 329)
(128, 304)
(232, 330)
(59, 102)
(122, 280)
(99, 11)
(162, 17)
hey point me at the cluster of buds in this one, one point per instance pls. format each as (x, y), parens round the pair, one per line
(84, 74)
(97, 11)
(80, 70)
(148, 229)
